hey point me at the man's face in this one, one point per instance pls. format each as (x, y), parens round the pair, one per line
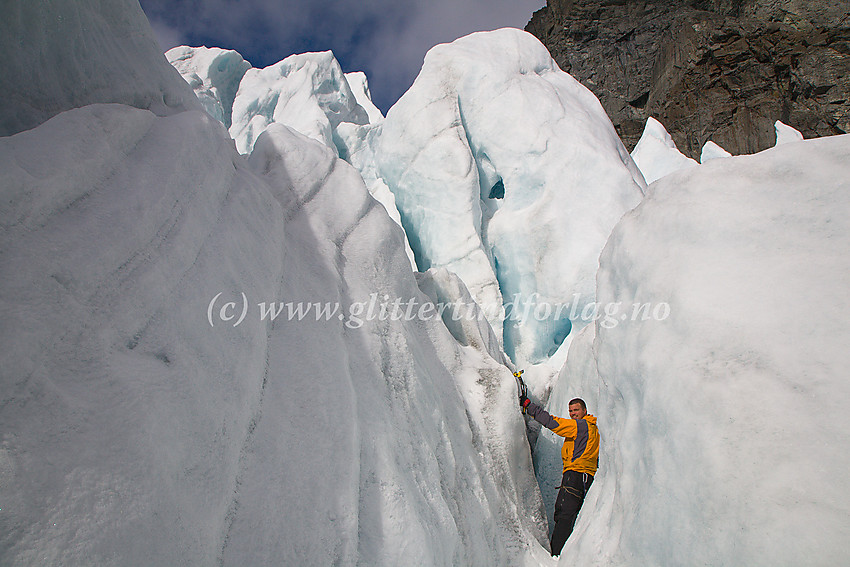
(576, 411)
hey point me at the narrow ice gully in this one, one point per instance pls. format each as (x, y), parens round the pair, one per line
(133, 431)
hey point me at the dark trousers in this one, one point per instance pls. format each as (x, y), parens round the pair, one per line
(571, 494)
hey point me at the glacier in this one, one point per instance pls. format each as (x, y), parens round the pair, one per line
(214, 75)
(165, 400)
(308, 92)
(133, 429)
(142, 424)
(58, 61)
(508, 172)
(445, 136)
(725, 431)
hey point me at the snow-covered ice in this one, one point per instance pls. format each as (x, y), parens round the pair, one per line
(786, 134)
(359, 85)
(146, 419)
(725, 431)
(711, 151)
(56, 59)
(656, 153)
(134, 431)
(507, 172)
(308, 92)
(213, 73)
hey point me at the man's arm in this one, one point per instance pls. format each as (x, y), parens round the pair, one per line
(561, 426)
(540, 414)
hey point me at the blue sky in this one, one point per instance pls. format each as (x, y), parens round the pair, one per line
(385, 38)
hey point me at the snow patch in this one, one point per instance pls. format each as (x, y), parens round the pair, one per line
(656, 155)
(712, 151)
(786, 134)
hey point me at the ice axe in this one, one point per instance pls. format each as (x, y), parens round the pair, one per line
(522, 390)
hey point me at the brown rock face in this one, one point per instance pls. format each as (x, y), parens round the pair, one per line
(720, 70)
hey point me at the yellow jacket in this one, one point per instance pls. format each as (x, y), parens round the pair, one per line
(580, 450)
(581, 439)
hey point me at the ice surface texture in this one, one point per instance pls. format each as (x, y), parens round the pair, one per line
(135, 432)
(307, 92)
(214, 74)
(507, 172)
(64, 55)
(725, 426)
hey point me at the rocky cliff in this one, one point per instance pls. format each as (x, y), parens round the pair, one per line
(721, 70)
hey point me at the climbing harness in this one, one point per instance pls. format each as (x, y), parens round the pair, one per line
(580, 494)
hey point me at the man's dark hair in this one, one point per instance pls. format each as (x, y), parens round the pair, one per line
(578, 401)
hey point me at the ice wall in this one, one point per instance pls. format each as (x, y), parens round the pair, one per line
(725, 436)
(508, 172)
(144, 420)
(124, 414)
(434, 453)
(214, 75)
(359, 85)
(307, 92)
(63, 55)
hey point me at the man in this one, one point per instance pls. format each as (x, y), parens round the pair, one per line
(581, 458)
